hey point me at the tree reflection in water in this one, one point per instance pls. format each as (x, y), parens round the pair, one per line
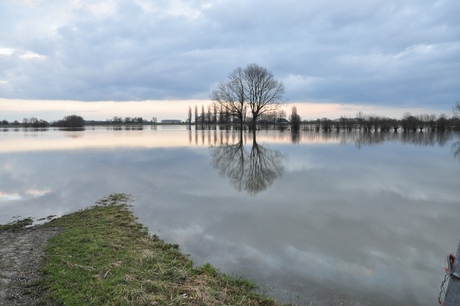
(250, 170)
(456, 149)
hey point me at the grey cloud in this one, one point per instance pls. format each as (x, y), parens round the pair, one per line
(379, 52)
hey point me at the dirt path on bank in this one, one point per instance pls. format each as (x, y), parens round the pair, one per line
(21, 257)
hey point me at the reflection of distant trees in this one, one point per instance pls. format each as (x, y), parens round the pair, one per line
(134, 128)
(456, 150)
(427, 139)
(223, 140)
(127, 128)
(251, 170)
(371, 138)
(215, 135)
(419, 138)
(295, 136)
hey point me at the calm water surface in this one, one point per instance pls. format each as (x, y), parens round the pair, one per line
(366, 219)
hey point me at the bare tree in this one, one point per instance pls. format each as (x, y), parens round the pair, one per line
(252, 89)
(280, 115)
(203, 116)
(208, 115)
(264, 92)
(196, 115)
(456, 110)
(295, 119)
(221, 114)
(72, 121)
(231, 95)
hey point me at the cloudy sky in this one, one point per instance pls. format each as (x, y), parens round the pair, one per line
(355, 55)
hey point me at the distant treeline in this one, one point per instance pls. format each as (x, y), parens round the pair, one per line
(116, 120)
(361, 122)
(216, 115)
(77, 121)
(367, 123)
(72, 121)
(130, 120)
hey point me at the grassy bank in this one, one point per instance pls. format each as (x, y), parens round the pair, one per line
(17, 225)
(104, 257)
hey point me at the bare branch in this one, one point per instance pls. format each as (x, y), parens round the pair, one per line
(456, 110)
(253, 88)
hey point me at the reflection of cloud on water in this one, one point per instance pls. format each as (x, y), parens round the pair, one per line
(37, 193)
(326, 267)
(309, 267)
(340, 268)
(16, 196)
(338, 214)
(226, 253)
(398, 187)
(6, 197)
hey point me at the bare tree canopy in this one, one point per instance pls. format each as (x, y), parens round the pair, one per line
(252, 89)
(456, 110)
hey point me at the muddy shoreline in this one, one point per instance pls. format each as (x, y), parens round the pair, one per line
(21, 258)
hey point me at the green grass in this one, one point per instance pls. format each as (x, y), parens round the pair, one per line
(17, 225)
(104, 257)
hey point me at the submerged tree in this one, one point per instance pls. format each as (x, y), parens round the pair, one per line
(252, 89)
(35, 123)
(72, 121)
(230, 95)
(295, 119)
(202, 115)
